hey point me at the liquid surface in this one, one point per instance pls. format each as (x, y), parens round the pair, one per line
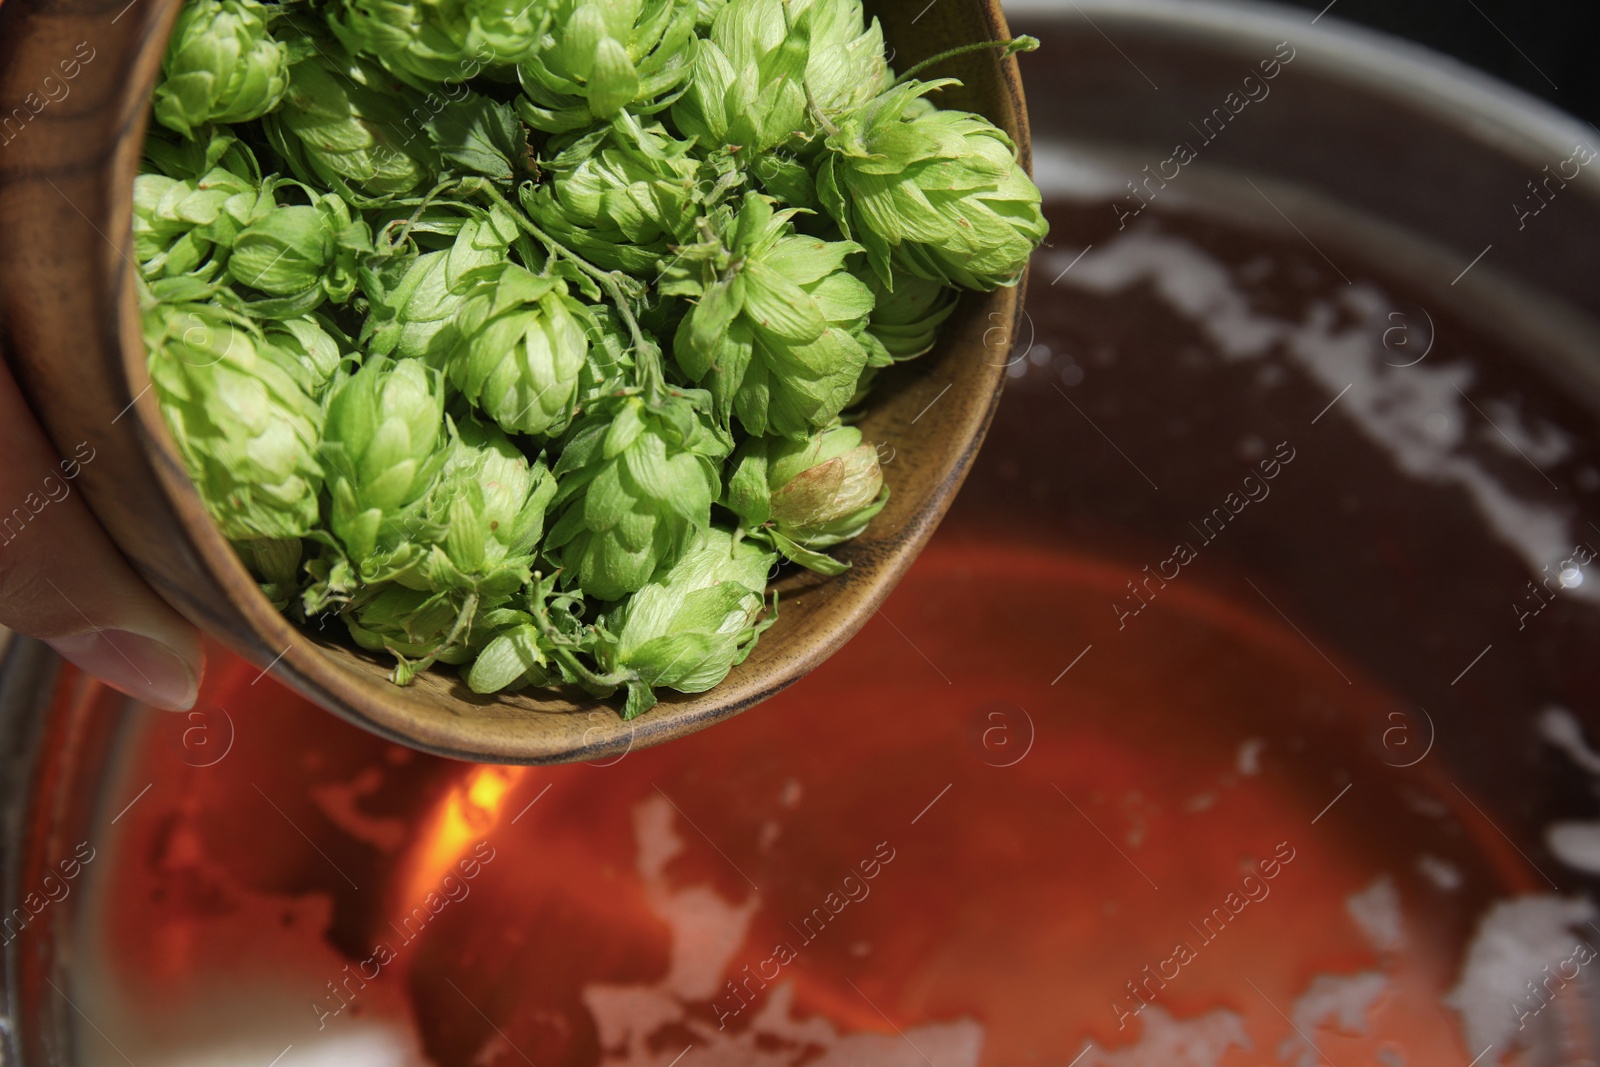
(959, 842)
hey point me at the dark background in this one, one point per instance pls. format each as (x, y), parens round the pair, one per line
(1548, 47)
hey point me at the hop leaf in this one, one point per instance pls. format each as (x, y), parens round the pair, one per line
(936, 194)
(633, 486)
(245, 427)
(520, 350)
(694, 621)
(346, 122)
(180, 157)
(221, 65)
(775, 331)
(513, 658)
(603, 56)
(481, 136)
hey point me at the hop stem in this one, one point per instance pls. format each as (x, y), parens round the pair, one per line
(564, 649)
(648, 358)
(1011, 46)
(402, 227)
(406, 669)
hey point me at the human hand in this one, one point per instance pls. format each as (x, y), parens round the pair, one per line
(63, 581)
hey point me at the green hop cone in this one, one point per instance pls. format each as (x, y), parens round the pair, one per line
(411, 624)
(621, 197)
(412, 309)
(221, 65)
(306, 252)
(845, 64)
(419, 628)
(312, 347)
(906, 321)
(774, 333)
(246, 429)
(603, 56)
(808, 495)
(550, 646)
(750, 77)
(746, 92)
(347, 124)
(521, 346)
(485, 513)
(490, 501)
(693, 622)
(634, 485)
(383, 447)
(451, 41)
(186, 226)
(935, 194)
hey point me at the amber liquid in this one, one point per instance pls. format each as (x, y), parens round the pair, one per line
(993, 829)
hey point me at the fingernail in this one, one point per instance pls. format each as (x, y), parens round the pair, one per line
(140, 666)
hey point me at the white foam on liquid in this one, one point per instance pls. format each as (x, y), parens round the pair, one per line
(1376, 912)
(1337, 345)
(1339, 1002)
(1515, 940)
(1168, 1042)
(708, 932)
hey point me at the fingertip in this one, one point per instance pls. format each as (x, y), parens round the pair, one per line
(145, 668)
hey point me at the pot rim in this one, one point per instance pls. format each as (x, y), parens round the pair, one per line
(1442, 86)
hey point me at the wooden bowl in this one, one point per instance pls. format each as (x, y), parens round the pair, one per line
(75, 84)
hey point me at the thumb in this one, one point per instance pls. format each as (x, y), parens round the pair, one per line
(63, 581)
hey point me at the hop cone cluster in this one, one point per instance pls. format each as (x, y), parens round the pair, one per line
(528, 337)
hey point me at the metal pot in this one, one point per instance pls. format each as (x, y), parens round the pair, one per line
(1348, 259)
